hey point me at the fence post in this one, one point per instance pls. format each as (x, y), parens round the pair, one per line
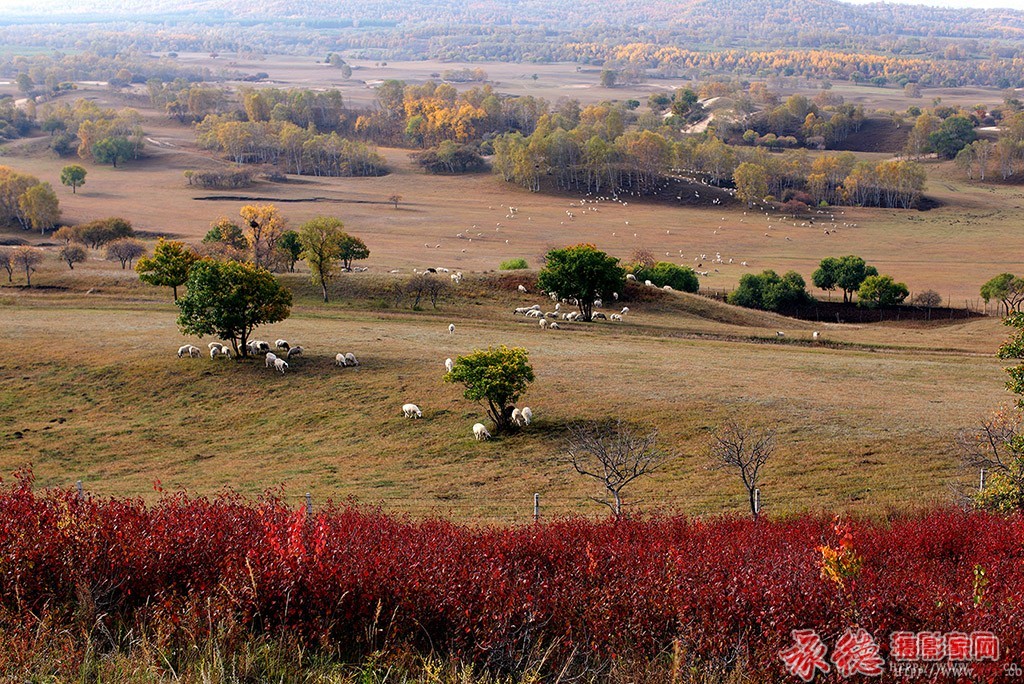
(309, 506)
(81, 492)
(536, 507)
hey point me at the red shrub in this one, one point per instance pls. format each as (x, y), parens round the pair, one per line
(722, 587)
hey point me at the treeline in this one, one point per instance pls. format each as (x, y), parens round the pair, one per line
(53, 72)
(104, 135)
(299, 150)
(597, 155)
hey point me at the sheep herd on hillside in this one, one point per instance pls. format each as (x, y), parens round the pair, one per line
(520, 417)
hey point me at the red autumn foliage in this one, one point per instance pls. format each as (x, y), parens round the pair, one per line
(721, 587)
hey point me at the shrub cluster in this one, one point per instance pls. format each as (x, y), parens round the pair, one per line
(719, 590)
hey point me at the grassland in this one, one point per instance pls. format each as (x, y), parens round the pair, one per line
(91, 390)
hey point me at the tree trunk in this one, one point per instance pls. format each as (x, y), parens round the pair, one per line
(174, 289)
(618, 503)
(323, 286)
(753, 503)
(28, 276)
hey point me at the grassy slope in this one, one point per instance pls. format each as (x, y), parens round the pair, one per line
(863, 426)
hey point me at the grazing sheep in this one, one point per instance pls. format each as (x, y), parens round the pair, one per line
(259, 346)
(339, 360)
(517, 417)
(522, 289)
(411, 411)
(282, 345)
(625, 310)
(599, 316)
(448, 365)
(554, 325)
(816, 334)
(779, 333)
(615, 317)
(630, 276)
(543, 323)
(220, 350)
(271, 359)
(214, 344)
(294, 351)
(527, 414)
(480, 432)
(451, 328)
(191, 350)
(350, 359)
(280, 364)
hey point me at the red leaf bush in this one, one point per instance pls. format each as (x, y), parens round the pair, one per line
(721, 590)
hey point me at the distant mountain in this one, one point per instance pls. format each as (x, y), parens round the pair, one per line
(806, 16)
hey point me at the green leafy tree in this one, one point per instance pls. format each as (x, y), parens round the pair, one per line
(584, 273)
(881, 290)
(664, 273)
(230, 299)
(290, 248)
(1007, 289)
(770, 291)
(497, 377)
(168, 267)
(1014, 349)
(40, 207)
(73, 176)
(845, 273)
(112, 150)
(321, 239)
(227, 232)
(954, 134)
(351, 249)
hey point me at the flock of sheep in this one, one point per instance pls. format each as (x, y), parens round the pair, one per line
(521, 417)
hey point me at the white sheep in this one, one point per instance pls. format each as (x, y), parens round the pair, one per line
(527, 414)
(294, 351)
(271, 359)
(219, 350)
(282, 345)
(211, 345)
(630, 276)
(522, 289)
(411, 411)
(779, 333)
(339, 360)
(448, 365)
(543, 323)
(554, 325)
(816, 334)
(280, 364)
(350, 359)
(616, 317)
(260, 346)
(451, 328)
(189, 349)
(625, 310)
(517, 417)
(480, 432)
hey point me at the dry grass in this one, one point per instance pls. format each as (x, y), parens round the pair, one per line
(101, 397)
(866, 419)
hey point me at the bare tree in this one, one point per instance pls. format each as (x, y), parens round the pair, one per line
(27, 258)
(615, 454)
(746, 449)
(395, 199)
(994, 447)
(6, 264)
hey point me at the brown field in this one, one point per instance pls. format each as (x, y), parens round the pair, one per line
(866, 419)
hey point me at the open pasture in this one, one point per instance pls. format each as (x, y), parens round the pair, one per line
(866, 421)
